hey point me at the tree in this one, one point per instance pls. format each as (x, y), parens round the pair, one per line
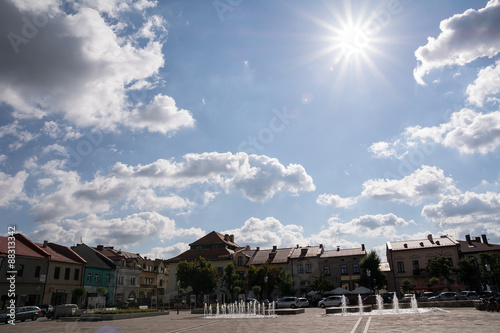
(79, 292)
(439, 267)
(468, 272)
(257, 277)
(406, 285)
(321, 283)
(285, 283)
(199, 274)
(433, 281)
(371, 261)
(490, 261)
(230, 279)
(256, 290)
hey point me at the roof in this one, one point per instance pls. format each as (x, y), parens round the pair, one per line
(93, 258)
(61, 253)
(344, 253)
(216, 238)
(210, 254)
(306, 252)
(273, 256)
(475, 246)
(24, 247)
(429, 242)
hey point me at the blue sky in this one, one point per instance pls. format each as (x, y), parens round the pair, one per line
(145, 125)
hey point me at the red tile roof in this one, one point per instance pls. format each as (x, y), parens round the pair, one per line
(23, 247)
(61, 253)
(214, 238)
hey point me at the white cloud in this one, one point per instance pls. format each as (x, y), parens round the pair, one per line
(22, 136)
(12, 187)
(57, 148)
(147, 199)
(467, 131)
(168, 251)
(77, 66)
(463, 39)
(466, 208)
(336, 200)
(121, 232)
(424, 182)
(486, 84)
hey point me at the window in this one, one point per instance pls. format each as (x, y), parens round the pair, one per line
(108, 278)
(37, 271)
(416, 266)
(240, 261)
(89, 277)
(76, 276)
(67, 271)
(401, 266)
(303, 252)
(308, 268)
(161, 283)
(132, 281)
(300, 269)
(355, 269)
(120, 280)
(20, 270)
(96, 277)
(326, 270)
(343, 269)
(57, 272)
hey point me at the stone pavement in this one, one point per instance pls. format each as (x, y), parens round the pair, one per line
(313, 320)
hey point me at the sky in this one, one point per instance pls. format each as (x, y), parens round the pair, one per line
(145, 125)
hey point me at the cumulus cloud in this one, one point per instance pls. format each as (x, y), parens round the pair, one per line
(424, 182)
(15, 130)
(467, 131)
(167, 252)
(122, 232)
(152, 186)
(79, 67)
(465, 208)
(12, 187)
(486, 84)
(464, 38)
(336, 200)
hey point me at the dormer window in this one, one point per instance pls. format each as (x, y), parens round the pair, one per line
(303, 252)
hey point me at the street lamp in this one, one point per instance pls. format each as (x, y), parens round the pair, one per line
(266, 278)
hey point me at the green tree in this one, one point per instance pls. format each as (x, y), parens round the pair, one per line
(79, 292)
(490, 261)
(199, 274)
(433, 281)
(439, 267)
(406, 285)
(257, 277)
(371, 261)
(285, 283)
(102, 291)
(256, 290)
(230, 279)
(321, 283)
(468, 272)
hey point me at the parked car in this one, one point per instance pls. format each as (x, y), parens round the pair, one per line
(368, 300)
(389, 296)
(426, 296)
(446, 296)
(22, 313)
(472, 295)
(65, 310)
(47, 310)
(332, 301)
(303, 303)
(287, 302)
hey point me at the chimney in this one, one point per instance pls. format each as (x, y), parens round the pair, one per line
(297, 245)
(231, 238)
(320, 246)
(485, 240)
(258, 248)
(45, 243)
(100, 247)
(338, 247)
(275, 248)
(429, 237)
(467, 238)
(362, 247)
(226, 237)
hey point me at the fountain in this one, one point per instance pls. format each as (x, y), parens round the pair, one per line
(395, 305)
(344, 305)
(414, 304)
(240, 310)
(360, 304)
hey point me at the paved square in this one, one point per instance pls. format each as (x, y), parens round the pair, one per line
(313, 320)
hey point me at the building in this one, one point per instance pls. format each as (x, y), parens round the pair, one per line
(31, 264)
(408, 259)
(65, 274)
(99, 272)
(128, 272)
(341, 266)
(219, 249)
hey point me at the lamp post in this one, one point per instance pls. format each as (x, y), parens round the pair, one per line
(266, 278)
(369, 273)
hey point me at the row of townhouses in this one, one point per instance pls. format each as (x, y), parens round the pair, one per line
(49, 273)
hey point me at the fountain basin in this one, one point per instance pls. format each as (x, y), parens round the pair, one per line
(285, 312)
(350, 309)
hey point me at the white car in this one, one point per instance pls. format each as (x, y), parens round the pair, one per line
(303, 303)
(332, 301)
(287, 302)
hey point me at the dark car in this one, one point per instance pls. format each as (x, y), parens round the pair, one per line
(47, 310)
(21, 313)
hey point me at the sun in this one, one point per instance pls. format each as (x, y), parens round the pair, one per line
(352, 41)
